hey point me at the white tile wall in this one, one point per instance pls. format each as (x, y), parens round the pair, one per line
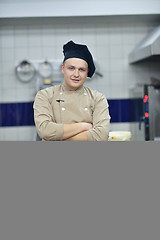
(109, 40)
(17, 133)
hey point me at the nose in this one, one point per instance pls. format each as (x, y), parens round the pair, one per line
(76, 73)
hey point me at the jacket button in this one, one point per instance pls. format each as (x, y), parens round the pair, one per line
(85, 93)
(63, 108)
(60, 93)
(86, 109)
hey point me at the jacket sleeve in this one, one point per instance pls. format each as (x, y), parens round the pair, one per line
(101, 120)
(45, 123)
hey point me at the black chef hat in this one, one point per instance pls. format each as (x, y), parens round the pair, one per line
(73, 50)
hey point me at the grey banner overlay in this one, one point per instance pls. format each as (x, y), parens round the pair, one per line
(79, 191)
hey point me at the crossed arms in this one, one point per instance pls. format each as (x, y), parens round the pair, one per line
(49, 130)
(76, 131)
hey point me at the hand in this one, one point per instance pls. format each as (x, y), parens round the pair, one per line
(87, 126)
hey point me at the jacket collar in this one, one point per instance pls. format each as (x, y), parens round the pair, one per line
(79, 90)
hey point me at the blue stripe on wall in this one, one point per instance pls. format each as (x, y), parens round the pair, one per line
(21, 114)
(125, 110)
(16, 114)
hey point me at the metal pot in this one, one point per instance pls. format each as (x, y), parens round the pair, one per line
(45, 70)
(25, 71)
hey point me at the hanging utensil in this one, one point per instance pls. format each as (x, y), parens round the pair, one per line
(45, 69)
(25, 71)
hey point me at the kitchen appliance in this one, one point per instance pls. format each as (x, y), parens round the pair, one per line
(149, 122)
(148, 49)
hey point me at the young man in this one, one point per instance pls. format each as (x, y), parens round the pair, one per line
(71, 111)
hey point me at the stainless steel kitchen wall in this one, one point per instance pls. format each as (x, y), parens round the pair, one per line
(110, 39)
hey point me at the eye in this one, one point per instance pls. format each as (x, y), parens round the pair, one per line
(71, 68)
(82, 69)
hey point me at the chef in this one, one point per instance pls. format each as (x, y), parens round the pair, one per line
(72, 111)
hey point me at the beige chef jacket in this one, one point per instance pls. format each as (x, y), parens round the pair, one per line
(55, 106)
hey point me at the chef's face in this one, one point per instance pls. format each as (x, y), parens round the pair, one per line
(75, 71)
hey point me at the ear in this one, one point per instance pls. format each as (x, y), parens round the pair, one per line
(63, 68)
